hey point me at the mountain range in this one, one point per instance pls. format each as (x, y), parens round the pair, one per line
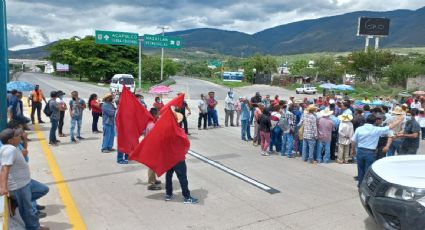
(327, 34)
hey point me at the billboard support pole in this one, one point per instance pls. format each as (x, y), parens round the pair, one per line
(4, 65)
(367, 37)
(376, 42)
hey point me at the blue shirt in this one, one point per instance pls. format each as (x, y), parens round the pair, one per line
(244, 112)
(336, 122)
(108, 114)
(367, 136)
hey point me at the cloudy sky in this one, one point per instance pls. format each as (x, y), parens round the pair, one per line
(37, 22)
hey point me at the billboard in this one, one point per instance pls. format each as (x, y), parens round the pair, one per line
(62, 67)
(373, 26)
(232, 76)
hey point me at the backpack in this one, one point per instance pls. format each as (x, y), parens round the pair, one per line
(47, 111)
(283, 123)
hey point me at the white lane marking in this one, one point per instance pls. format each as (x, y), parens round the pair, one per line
(233, 172)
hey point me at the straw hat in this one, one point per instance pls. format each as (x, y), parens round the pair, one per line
(326, 112)
(345, 117)
(179, 117)
(398, 111)
(108, 95)
(311, 108)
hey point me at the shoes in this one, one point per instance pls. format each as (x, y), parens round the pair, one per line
(154, 187)
(264, 153)
(157, 182)
(199, 128)
(40, 207)
(122, 162)
(41, 122)
(81, 138)
(205, 128)
(97, 132)
(27, 129)
(73, 140)
(250, 139)
(53, 143)
(105, 151)
(62, 135)
(168, 197)
(41, 215)
(44, 228)
(190, 200)
(232, 125)
(188, 134)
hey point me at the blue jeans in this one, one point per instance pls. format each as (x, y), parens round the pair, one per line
(245, 130)
(395, 146)
(121, 156)
(327, 157)
(181, 172)
(365, 159)
(52, 134)
(276, 139)
(287, 144)
(24, 197)
(108, 137)
(212, 117)
(308, 145)
(76, 121)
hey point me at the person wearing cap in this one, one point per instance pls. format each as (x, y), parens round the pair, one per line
(310, 133)
(325, 127)
(245, 127)
(76, 108)
(15, 179)
(203, 112)
(345, 132)
(212, 111)
(410, 141)
(365, 140)
(393, 143)
(35, 102)
(108, 121)
(55, 108)
(64, 107)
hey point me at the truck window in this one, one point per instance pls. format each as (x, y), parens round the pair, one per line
(126, 81)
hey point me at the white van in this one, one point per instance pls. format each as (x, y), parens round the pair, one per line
(118, 80)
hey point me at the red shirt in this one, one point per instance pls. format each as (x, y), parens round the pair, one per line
(158, 105)
(95, 107)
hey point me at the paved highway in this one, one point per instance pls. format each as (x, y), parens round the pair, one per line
(111, 196)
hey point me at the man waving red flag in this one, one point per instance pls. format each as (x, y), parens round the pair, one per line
(132, 119)
(177, 101)
(164, 146)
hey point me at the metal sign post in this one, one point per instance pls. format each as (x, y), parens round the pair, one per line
(140, 61)
(4, 65)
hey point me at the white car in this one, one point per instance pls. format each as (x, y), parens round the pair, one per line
(306, 88)
(393, 192)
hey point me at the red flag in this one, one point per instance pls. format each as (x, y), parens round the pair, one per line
(177, 101)
(164, 146)
(132, 119)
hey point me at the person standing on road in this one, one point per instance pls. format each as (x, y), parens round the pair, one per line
(15, 179)
(36, 98)
(345, 132)
(310, 133)
(410, 142)
(76, 108)
(182, 109)
(229, 108)
(255, 100)
(264, 128)
(245, 128)
(257, 114)
(55, 109)
(267, 102)
(394, 143)
(153, 182)
(212, 112)
(238, 110)
(325, 127)
(108, 118)
(96, 111)
(62, 110)
(203, 112)
(287, 123)
(365, 140)
(421, 121)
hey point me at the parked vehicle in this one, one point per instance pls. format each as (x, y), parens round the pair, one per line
(118, 80)
(306, 88)
(393, 192)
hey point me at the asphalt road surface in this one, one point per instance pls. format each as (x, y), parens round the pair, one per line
(112, 196)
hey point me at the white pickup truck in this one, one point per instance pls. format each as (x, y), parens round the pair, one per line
(306, 88)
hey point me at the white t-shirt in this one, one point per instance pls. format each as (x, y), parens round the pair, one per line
(19, 174)
(202, 105)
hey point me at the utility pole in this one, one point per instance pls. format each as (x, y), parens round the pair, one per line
(162, 50)
(140, 61)
(4, 65)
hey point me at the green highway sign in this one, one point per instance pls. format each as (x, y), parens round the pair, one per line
(159, 41)
(116, 38)
(215, 64)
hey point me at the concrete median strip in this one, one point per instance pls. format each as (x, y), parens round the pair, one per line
(71, 209)
(234, 173)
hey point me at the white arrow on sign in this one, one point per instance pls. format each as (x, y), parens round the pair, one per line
(106, 37)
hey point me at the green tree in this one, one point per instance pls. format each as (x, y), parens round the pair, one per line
(369, 64)
(398, 73)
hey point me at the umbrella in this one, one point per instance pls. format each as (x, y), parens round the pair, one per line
(404, 94)
(377, 103)
(20, 86)
(327, 86)
(344, 87)
(160, 89)
(420, 92)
